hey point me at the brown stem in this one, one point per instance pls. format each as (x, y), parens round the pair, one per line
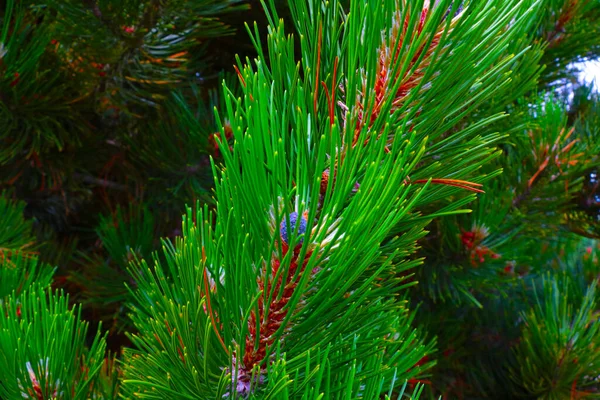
(93, 6)
(100, 182)
(519, 199)
(554, 36)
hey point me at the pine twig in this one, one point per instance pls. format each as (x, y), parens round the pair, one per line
(100, 182)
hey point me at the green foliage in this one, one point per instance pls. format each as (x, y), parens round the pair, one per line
(15, 231)
(176, 338)
(126, 234)
(467, 248)
(90, 120)
(42, 351)
(557, 357)
(570, 30)
(108, 379)
(35, 99)
(175, 146)
(143, 48)
(552, 173)
(366, 171)
(393, 184)
(19, 264)
(584, 219)
(20, 272)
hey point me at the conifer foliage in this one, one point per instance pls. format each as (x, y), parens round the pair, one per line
(405, 205)
(106, 116)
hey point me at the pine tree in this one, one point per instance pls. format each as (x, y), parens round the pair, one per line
(107, 129)
(405, 204)
(43, 352)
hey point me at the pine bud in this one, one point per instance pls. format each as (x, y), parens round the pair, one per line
(291, 221)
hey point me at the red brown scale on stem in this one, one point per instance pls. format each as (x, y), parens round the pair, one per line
(16, 80)
(271, 317)
(158, 340)
(212, 139)
(556, 35)
(410, 79)
(181, 355)
(324, 182)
